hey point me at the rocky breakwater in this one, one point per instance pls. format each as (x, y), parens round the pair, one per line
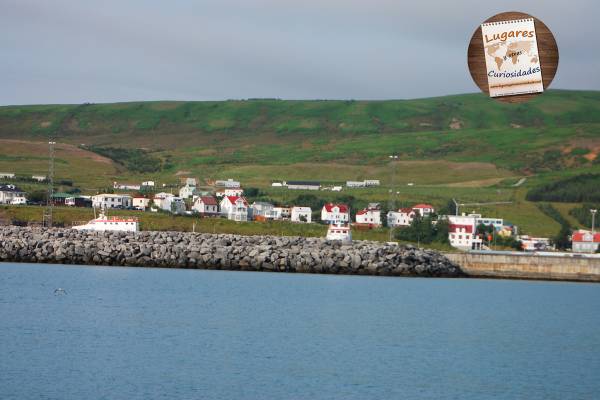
(227, 252)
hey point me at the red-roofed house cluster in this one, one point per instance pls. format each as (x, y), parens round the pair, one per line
(405, 216)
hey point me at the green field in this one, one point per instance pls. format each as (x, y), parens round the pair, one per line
(467, 147)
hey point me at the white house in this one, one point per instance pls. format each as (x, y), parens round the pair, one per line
(402, 217)
(174, 204)
(369, 216)
(301, 214)
(234, 208)
(229, 183)
(230, 192)
(39, 178)
(10, 194)
(276, 184)
(148, 183)
(335, 213)
(462, 233)
(78, 201)
(206, 206)
(585, 242)
(20, 200)
(169, 202)
(355, 184)
(497, 223)
(140, 202)
(282, 213)
(262, 210)
(234, 192)
(6, 175)
(126, 186)
(372, 182)
(424, 210)
(161, 198)
(111, 201)
(187, 191)
(530, 243)
(190, 182)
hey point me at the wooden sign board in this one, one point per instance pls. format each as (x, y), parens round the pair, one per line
(547, 49)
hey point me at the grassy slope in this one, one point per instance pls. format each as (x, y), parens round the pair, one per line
(260, 141)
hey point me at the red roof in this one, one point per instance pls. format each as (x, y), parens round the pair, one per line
(454, 228)
(579, 237)
(361, 212)
(233, 199)
(329, 207)
(406, 210)
(208, 200)
(423, 205)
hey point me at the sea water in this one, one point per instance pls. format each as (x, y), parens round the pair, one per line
(141, 333)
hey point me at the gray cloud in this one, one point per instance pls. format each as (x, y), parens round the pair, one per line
(75, 51)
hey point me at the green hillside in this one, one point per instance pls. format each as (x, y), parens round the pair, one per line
(459, 128)
(466, 146)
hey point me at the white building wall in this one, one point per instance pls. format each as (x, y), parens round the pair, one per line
(111, 201)
(298, 212)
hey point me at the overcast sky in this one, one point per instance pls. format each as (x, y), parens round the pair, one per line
(74, 51)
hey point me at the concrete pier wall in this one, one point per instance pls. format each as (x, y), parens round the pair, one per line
(528, 266)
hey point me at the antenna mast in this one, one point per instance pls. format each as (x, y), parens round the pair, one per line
(50, 204)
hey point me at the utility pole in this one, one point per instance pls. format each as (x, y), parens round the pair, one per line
(50, 204)
(392, 190)
(457, 204)
(593, 211)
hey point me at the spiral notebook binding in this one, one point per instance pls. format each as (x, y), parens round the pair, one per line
(511, 21)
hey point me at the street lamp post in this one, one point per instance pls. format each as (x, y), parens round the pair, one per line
(593, 211)
(392, 190)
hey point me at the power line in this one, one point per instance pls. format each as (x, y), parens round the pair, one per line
(457, 204)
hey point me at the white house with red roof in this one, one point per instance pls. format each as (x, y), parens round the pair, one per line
(585, 241)
(335, 213)
(405, 216)
(234, 208)
(371, 216)
(423, 209)
(206, 206)
(402, 217)
(462, 232)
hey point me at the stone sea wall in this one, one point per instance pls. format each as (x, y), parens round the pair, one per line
(528, 266)
(226, 252)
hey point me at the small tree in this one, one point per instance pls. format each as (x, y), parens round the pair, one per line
(423, 230)
(562, 240)
(38, 197)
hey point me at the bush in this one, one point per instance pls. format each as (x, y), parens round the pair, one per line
(423, 230)
(562, 240)
(136, 160)
(584, 216)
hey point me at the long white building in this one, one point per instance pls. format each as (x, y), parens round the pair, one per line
(112, 201)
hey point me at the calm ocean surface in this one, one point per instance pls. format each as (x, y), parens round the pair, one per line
(131, 333)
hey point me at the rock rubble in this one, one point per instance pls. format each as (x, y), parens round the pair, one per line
(219, 251)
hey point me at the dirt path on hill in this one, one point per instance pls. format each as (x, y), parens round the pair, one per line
(11, 146)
